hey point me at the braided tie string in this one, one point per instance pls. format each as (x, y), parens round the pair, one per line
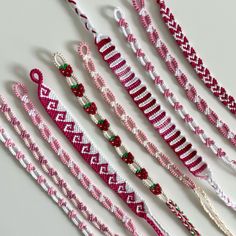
(50, 171)
(21, 92)
(140, 172)
(43, 183)
(181, 77)
(128, 122)
(167, 93)
(194, 60)
(88, 151)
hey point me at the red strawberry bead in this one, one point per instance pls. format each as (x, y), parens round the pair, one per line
(142, 173)
(156, 189)
(115, 141)
(78, 90)
(66, 70)
(103, 125)
(90, 108)
(128, 158)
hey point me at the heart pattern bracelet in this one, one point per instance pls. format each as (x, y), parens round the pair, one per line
(90, 107)
(168, 94)
(182, 79)
(21, 92)
(87, 150)
(151, 109)
(52, 173)
(141, 137)
(43, 183)
(194, 60)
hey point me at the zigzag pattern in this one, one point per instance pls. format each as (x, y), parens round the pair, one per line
(151, 109)
(90, 154)
(195, 61)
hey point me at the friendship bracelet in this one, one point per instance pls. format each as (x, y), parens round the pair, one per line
(103, 124)
(50, 171)
(21, 92)
(168, 94)
(43, 183)
(194, 60)
(182, 79)
(73, 132)
(141, 137)
(151, 109)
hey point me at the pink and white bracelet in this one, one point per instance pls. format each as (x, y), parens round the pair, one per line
(167, 93)
(50, 171)
(182, 79)
(151, 109)
(141, 173)
(87, 150)
(21, 92)
(141, 137)
(194, 60)
(43, 183)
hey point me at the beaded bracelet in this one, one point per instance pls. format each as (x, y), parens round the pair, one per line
(182, 79)
(194, 60)
(50, 171)
(82, 144)
(151, 109)
(167, 93)
(103, 124)
(43, 183)
(141, 137)
(21, 92)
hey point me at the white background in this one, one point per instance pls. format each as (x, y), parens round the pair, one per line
(32, 30)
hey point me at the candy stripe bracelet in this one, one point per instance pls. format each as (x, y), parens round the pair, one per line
(141, 137)
(50, 171)
(167, 93)
(82, 144)
(151, 109)
(194, 60)
(182, 79)
(103, 124)
(21, 92)
(43, 183)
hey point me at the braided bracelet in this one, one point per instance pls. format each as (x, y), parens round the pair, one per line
(73, 132)
(168, 94)
(194, 60)
(50, 171)
(21, 92)
(43, 183)
(181, 78)
(151, 109)
(103, 124)
(141, 137)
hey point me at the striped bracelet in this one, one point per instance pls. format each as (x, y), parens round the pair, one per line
(194, 60)
(167, 93)
(21, 92)
(141, 137)
(43, 183)
(82, 144)
(182, 79)
(90, 108)
(151, 109)
(49, 170)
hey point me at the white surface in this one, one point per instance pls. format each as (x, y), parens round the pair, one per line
(32, 30)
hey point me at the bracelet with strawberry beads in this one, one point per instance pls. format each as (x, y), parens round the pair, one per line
(90, 107)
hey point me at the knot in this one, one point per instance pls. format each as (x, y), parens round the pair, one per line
(198, 130)
(123, 23)
(220, 152)
(51, 191)
(149, 67)
(4, 108)
(9, 143)
(209, 142)
(177, 106)
(188, 118)
(14, 121)
(19, 156)
(30, 167)
(139, 53)
(167, 93)
(24, 134)
(131, 38)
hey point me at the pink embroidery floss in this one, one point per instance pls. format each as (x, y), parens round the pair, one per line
(194, 60)
(141, 137)
(43, 183)
(21, 92)
(182, 79)
(72, 131)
